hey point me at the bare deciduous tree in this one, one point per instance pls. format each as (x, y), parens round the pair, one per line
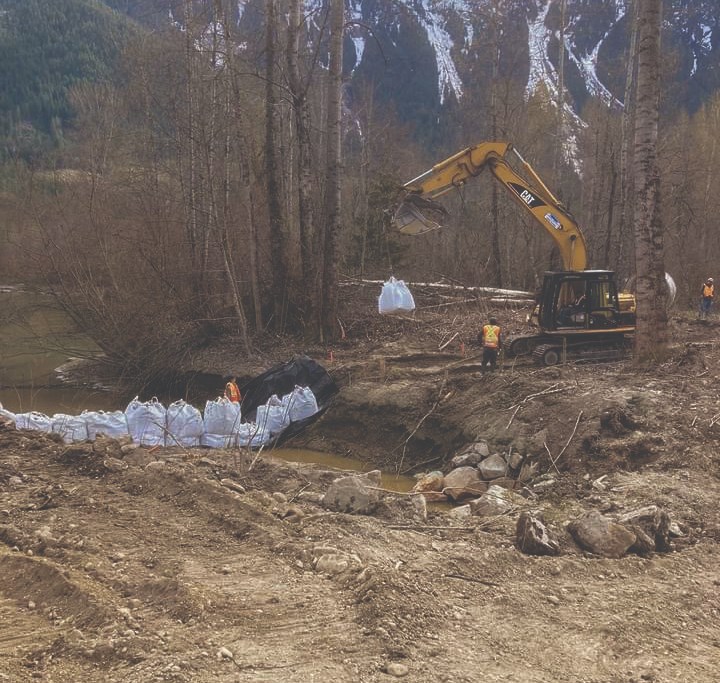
(301, 110)
(334, 168)
(627, 194)
(280, 273)
(652, 325)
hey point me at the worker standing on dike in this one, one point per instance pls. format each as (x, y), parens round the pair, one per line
(232, 391)
(491, 339)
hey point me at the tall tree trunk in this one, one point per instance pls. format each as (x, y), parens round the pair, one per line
(651, 336)
(192, 199)
(612, 199)
(623, 261)
(222, 220)
(334, 167)
(301, 111)
(497, 278)
(280, 268)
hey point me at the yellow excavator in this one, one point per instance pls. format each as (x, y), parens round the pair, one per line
(579, 312)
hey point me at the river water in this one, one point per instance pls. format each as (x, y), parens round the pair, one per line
(36, 338)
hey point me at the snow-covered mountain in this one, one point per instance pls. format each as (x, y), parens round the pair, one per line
(426, 54)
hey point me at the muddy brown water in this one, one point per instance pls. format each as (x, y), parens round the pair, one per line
(391, 481)
(36, 337)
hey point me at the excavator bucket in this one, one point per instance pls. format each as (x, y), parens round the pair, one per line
(410, 220)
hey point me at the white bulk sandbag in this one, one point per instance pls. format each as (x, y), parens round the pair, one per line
(184, 425)
(395, 297)
(252, 435)
(112, 424)
(6, 413)
(301, 403)
(221, 416)
(274, 416)
(33, 420)
(221, 419)
(146, 421)
(71, 428)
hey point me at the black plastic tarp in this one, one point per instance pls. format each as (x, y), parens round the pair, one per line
(281, 380)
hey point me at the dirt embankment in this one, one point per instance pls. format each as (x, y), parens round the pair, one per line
(207, 565)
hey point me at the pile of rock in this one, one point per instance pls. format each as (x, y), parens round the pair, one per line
(472, 474)
(486, 485)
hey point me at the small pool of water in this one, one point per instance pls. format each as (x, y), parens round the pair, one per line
(390, 481)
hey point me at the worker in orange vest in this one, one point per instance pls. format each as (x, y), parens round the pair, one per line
(232, 391)
(491, 342)
(706, 300)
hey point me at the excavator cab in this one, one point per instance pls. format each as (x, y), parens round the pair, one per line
(578, 312)
(572, 301)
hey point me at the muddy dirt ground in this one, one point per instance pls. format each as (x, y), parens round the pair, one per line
(210, 565)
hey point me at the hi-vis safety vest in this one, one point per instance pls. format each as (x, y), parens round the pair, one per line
(708, 291)
(491, 336)
(232, 392)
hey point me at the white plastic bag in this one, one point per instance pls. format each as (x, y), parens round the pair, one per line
(301, 403)
(33, 420)
(7, 414)
(395, 297)
(146, 422)
(184, 425)
(274, 416)
(112, 424)
(221, 419)
(221, 416)
(252, 435)
(71, 428)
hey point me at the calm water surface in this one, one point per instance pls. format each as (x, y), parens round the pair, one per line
(36, 338)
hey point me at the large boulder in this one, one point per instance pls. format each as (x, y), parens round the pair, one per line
(493, 467)
(356, 494)
(496, 501)
(652, 525)
(600, 535)
(462, 483)
(432, 481)
(471, 455)
(515, 460)
(533, 537)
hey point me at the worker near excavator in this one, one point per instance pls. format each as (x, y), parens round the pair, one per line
(232, 391)
(491, 339)
(706, 300)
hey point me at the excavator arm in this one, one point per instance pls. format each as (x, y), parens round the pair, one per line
(420, 195)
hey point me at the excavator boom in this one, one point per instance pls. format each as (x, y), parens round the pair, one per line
(534, 196)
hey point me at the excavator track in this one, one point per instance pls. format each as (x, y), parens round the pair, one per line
(553, 354)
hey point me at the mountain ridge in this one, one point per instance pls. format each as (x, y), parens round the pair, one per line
(423, 58)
